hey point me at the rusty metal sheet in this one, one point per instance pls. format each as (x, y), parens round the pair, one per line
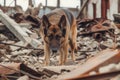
(101, 59)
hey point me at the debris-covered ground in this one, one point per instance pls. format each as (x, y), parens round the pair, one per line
(94, 36)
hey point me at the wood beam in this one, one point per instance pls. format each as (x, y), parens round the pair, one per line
(17, 30)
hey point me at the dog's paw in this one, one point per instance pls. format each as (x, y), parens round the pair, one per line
(46, 63)
(60, 63)
(73, 57)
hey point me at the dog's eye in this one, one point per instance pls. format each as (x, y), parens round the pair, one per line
(58, 37)
(50, 37)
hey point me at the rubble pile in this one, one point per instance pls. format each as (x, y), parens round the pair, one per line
(94, 36)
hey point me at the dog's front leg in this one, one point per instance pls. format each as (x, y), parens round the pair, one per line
(61, 57)
(65, 50)
(63, 54)
(47, 54)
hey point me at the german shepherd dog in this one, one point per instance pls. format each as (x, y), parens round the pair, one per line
(59, 31)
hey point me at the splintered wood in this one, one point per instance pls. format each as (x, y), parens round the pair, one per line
(13, 27)
(17, 30)
(19, 68)
(9, 68)
(103, 58)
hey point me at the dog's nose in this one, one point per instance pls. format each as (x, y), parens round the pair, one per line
(54, 50)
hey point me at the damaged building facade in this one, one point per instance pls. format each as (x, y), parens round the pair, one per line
(103, 8)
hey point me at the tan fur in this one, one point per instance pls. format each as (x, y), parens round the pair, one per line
(69, 39)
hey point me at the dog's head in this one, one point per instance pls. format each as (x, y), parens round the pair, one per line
(54, 33)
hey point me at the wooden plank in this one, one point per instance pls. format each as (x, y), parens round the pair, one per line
(101, 76)
(13, 27)
(101, 59)
(17, 30)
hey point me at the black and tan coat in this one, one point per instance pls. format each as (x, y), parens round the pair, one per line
(59, 31)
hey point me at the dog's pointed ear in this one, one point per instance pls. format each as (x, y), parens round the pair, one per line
(62, 22)
(45, 21)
